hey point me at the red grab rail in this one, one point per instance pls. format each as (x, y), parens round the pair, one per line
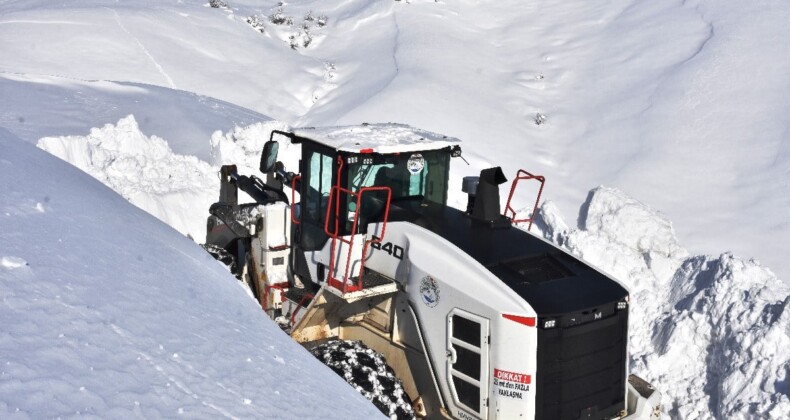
(523, 175)
(267, 289)
(305, 298)
(334, 197)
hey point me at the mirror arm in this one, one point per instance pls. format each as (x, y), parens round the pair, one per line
(288, 134)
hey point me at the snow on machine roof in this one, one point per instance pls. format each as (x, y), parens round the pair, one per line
(377, 138)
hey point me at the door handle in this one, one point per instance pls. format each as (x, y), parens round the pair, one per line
(452, 355)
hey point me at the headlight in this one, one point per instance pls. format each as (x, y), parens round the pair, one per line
(549, 323)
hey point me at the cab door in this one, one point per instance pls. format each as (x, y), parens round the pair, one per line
(318, 171)
(318, 177)
(467, 362)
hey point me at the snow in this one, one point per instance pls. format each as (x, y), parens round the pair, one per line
(680, 105)
(56, 106)
(147, 172)
(379, 138)
(11, 262)
(144, 170)
(108, 313)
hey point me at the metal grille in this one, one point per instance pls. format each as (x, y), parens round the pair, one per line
(537, 269)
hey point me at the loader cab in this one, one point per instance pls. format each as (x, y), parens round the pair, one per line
(337, 163)
(415, 169)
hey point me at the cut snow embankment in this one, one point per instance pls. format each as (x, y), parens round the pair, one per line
(108, 313)
(711, 333)
(177, 189)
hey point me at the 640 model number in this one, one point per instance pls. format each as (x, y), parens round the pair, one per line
(388, 247)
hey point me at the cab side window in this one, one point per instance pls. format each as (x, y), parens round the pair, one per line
(318, 185)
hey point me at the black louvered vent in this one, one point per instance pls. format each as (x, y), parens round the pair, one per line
(537, 269)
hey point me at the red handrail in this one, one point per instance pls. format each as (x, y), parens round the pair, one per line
(307, 296)
(523, 175)
(334, 197)
(266, 290)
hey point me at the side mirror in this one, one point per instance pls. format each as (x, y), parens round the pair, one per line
(455, 151)
(269, 156)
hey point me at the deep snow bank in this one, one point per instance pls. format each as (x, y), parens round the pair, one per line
(108, 313)
(177, 189)
(242, 147)
(144, 171)
(37, 106)
(711, 332)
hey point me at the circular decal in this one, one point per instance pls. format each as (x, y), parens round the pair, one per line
(415, 164)
(429, 291)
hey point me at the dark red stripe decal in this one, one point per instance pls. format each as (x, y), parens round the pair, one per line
(526, 320)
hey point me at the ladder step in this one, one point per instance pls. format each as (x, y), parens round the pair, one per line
(373, 284)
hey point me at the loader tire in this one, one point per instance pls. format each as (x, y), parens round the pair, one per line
(368, 372)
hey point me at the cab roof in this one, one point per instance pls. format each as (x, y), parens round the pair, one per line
(377, 138)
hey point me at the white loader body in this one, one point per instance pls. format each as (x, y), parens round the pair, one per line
(439, 279)
(477, 318)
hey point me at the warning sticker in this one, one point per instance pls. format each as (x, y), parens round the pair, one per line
(511, 384)
(512, 376)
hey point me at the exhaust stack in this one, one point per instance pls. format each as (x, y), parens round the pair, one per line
(483, 191)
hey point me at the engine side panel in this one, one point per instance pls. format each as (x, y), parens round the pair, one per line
(446, 287)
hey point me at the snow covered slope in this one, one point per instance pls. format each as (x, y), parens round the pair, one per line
(679, 103)
(108, 313)
(39, 106)
(177, 189)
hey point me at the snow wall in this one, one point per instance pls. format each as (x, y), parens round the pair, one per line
(107, 313)
(177, 189)
(711, 333)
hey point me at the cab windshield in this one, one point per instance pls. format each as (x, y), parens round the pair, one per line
(420, 176)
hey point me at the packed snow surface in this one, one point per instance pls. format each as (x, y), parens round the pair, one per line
(681, 105)
(379, 138)
(108, 313)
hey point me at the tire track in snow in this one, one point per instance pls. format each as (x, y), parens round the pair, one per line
(164, 74)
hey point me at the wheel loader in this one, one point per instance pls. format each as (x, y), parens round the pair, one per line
(474, 316)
